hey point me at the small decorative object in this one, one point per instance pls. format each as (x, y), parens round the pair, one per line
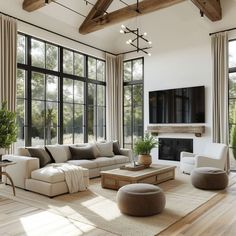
(8, 128)
(143, 148)
(133, 167)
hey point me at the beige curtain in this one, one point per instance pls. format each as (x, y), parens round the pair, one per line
(220, 128)
(114, 76)
(8, 51)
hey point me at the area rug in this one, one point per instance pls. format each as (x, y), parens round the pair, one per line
(97, 207)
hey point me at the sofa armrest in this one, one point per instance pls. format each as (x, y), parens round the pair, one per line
(126, 152)
(204, 161)
(21, 170)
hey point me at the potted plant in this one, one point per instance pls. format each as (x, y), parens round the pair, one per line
(143, 148)
(8, 128)
(233, 135)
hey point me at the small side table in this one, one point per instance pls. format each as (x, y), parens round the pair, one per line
(3, 171)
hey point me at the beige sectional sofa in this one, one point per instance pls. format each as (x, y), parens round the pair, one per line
(50, 181)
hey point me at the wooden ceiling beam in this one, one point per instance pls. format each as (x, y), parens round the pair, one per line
(211, 8)
(99, 22)
(32, 5)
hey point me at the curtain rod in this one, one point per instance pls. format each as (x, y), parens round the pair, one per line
(221, 31)
(61, 35)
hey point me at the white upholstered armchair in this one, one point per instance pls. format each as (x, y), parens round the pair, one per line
(214, 155)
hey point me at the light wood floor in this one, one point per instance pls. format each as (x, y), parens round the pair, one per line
(214, 218)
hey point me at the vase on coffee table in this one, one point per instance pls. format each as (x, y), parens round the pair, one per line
(145, 160)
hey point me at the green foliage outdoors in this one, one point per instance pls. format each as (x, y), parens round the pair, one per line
(8, 128)
(233, 133)
(145, 145)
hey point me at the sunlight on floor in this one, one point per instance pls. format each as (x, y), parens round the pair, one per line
(103, 207)
(49, 223)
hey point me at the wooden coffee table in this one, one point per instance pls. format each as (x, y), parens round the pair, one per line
(155, 174)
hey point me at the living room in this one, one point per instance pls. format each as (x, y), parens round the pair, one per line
(79, 79)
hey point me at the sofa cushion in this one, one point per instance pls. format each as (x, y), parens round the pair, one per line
(22, 151)
(119, 159)
(41, 154)
(84, 163)
(105, 149)
(104, 161)
(51, 174)
(116, 148)
(59, 153)
(80, 153)
(48, 174)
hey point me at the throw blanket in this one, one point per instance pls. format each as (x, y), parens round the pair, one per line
(73, 175)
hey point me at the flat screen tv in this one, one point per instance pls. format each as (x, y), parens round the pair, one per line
(182, 105)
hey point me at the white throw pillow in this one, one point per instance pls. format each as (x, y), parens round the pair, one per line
(105, 149)
(60, 153)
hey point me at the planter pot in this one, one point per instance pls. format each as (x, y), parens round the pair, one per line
(145, 160)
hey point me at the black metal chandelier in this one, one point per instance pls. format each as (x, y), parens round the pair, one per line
(136, 41)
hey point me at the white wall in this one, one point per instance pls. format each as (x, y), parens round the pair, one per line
(181, 57)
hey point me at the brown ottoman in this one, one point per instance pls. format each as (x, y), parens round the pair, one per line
(209, 178)
(141, 199)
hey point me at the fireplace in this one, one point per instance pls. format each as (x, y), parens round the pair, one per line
(170, 148)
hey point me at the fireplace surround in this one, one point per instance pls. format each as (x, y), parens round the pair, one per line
(170, 148)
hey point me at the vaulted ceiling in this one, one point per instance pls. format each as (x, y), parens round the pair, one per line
(179, 15)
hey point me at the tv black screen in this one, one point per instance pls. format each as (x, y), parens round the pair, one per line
(183, 105)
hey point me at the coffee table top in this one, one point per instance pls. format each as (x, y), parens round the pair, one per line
(152, 170)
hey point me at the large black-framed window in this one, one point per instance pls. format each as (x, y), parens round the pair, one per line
(232, 85)
(54, 99)
(133, 77)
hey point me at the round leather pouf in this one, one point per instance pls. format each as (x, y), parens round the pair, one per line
(141, 199)
(209, 178)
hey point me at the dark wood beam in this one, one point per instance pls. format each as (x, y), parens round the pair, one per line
(210, 8)
(32, 5)
(95, 23)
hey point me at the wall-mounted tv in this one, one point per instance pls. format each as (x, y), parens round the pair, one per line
(182, 105)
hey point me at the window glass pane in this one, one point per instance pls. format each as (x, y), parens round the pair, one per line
(137, 70)
(91, 68)
(91, 131)
(127, 96)
(38, 118)
(20, 84)
(232, 85)
(51, 57)
(51, 123)
(79, 64)
(67, 61)
(232, 54)
(67, 123)
(21, 49)
(38, 53)
(38, 86)
(100, 70)
(127, 116)
(91, 94)
(101, 95)
(127, 135)
(67, 90)
(51, 88)
(20, 119)
(79, 92)
(79, 135)
(137, 95)
(79, 116)
(232, 111)
(127, 71)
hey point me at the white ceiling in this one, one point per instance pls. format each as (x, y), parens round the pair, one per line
(159, 25)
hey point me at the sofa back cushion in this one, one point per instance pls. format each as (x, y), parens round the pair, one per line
(59, 153)
(41, 154)
(79, 153)
(105, 149)
(116, 148)
(22, 151)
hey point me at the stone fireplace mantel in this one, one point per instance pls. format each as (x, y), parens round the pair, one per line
(198, 130)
